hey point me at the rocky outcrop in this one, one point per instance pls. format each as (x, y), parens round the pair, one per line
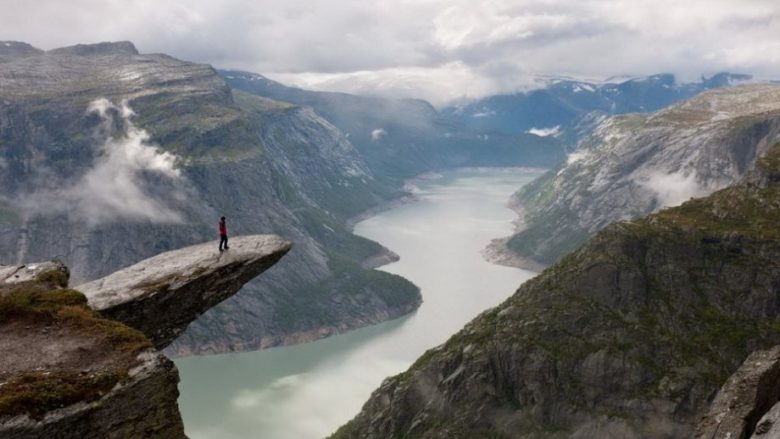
(105, 48)
(636, 164)
(768, 427)
(69, 371)
(162, 295)
(144, 405)
(747, 405)
(14, 274)
(628, 337)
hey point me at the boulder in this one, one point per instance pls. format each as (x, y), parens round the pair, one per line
(11, 274)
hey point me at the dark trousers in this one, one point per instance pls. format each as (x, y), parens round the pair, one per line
(223, 240)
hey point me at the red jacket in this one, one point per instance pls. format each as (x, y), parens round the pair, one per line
(222, 228)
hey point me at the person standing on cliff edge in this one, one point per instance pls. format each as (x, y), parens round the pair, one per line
(223, 238)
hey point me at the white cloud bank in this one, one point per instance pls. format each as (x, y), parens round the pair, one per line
(576, 156)
(112, 188)
(436, 49)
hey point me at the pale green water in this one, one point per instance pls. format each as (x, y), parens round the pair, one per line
(308, 391)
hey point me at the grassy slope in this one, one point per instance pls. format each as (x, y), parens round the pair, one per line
(46, 304)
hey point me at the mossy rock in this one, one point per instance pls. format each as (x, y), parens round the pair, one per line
(43, 308)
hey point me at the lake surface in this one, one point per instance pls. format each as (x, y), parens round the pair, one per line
(308, 391)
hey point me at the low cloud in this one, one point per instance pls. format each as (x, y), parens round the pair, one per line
(675, 188)
(576, 156)
(378, 134)
(442, 50)
(113, 188)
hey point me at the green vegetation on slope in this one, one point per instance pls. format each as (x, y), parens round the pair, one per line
(545, 219)
(197, 130)
(36, 393)
(350, 283)
(45, 306)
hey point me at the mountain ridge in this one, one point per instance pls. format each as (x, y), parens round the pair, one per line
(632, 165)
(562, 101)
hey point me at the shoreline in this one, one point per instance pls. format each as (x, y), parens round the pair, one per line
(497, 251)
(385, 255)
(411, 183)
(380, 208)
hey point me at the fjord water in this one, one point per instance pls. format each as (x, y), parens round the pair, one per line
(308, 391)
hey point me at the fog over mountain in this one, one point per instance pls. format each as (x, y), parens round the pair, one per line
(440, 50)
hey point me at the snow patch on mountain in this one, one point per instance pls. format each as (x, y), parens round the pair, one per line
(545, 132)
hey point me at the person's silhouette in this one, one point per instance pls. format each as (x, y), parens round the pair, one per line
(223, 236)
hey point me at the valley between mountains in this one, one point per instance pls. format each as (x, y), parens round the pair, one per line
(654, 228)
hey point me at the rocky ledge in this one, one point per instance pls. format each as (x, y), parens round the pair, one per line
(86, 365)
(162, 295)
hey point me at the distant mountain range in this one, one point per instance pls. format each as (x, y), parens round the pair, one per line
(401, 138)
(555, 108)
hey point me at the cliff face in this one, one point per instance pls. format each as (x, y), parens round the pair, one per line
(628, 337)
(102, 185)
(70, 369)
(636, 164)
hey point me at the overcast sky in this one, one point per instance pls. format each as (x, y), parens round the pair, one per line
(435, 49)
